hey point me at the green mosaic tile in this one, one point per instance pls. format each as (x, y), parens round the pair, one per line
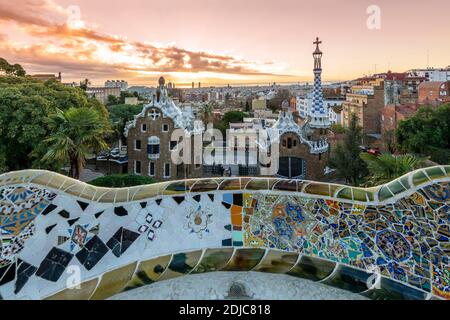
(435, 173)
(405, 181)
(359, 195)
(419, 178)
(447, 170)
(345, 193)
(384, 194)
(396, 187)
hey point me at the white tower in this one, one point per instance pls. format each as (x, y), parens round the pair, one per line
(319, 115)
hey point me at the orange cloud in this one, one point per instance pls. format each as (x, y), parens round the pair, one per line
(82, 48)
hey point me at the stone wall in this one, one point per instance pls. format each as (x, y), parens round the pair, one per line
(315, 163)
(390, 241)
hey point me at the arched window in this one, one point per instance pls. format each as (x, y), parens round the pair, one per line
(289, 143)
(153, 148)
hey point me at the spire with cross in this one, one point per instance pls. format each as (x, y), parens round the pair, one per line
(317, 42)
(318, 112)
(317, 54)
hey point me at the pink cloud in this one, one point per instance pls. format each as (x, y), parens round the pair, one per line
(86, 49)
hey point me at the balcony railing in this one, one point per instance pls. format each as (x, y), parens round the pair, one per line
(153, 156)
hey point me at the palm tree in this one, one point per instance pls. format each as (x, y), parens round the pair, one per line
(76, 132)
(206, 114)
(345, 158)
(387, 167)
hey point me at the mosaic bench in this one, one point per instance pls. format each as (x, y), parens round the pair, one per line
(386, 242)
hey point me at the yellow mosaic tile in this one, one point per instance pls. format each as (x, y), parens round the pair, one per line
(114, 282)
(321, 189)
(74, 190)
(145, 192)
(121, 195)
(214, 260)
(83, 293)
(277, 262)
(88, 192)
(107, 197)
(42, 179)
(148, 272)
(58, 180)
(181, 264)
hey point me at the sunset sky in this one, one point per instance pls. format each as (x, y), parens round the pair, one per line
(221, 41)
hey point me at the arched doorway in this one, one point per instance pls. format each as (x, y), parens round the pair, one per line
(291, 167)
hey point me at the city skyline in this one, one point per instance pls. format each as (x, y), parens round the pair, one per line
(219, 43)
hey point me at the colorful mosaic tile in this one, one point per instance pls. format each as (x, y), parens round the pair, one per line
(51, 225)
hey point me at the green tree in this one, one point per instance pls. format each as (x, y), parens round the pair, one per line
(388, 140)
(25, 104)
(345, 159)
(227, 98)
(75, 133)
(206, 114)
(387, 167)
(18, 70)
(121, 181)
(5, 66)
(112, 100)
(12, 70)
(281, 95)
(247, 106)
(84, 84)
(233, 116)
(119, 115)
(427, 133)
(337, 128)
(125, 94)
